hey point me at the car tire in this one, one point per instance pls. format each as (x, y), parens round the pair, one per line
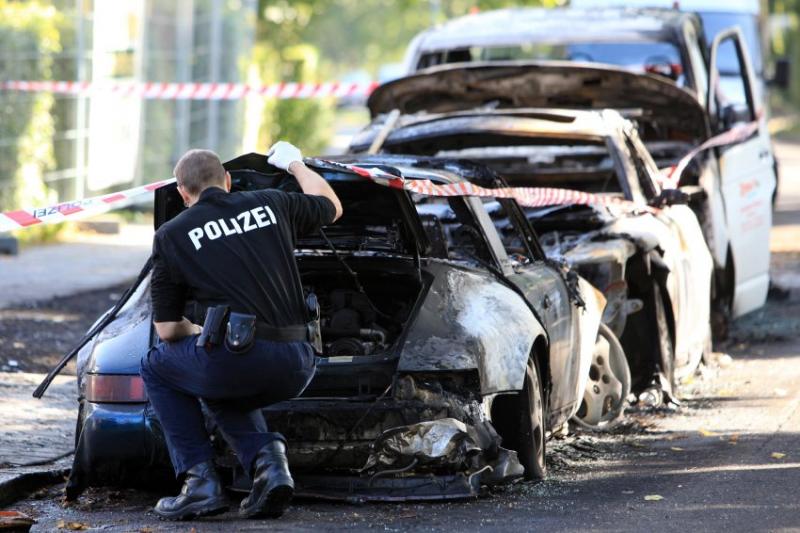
(608, 386)
(665, 346)
(531, 425)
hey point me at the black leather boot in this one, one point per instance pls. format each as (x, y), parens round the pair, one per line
(201, 495)
(273, 485)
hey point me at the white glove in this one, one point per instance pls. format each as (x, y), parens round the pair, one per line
(283, 154)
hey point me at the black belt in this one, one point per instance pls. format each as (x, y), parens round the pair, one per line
(281, 334)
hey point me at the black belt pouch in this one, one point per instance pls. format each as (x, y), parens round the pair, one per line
(241, 333)
(213, 327)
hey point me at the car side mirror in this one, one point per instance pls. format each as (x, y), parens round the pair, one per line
(733, 114)
(781, 75)
(669, 197)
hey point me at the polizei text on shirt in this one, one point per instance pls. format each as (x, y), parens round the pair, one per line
(252, 219)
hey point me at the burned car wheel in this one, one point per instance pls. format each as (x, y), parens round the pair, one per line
(608, 386)
(531, 425)
(665, 344)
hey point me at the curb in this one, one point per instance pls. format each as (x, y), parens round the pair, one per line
(18, 486)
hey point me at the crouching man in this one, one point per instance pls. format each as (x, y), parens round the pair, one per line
(233, 253)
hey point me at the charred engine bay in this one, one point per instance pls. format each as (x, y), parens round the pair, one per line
(363, 309)
(364, 302)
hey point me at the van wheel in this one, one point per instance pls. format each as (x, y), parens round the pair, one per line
(531, 447)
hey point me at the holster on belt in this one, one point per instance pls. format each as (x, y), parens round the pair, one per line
(241, 332)
(214, 326)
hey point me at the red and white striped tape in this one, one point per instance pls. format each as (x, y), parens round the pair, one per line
(53, 214)
(671, 177)
(195, 91)
(525, 196)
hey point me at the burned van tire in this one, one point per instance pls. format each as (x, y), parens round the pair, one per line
(531, 448)
(665, 345)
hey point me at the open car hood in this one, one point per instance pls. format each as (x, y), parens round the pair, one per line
(376, 218)
(541, 84)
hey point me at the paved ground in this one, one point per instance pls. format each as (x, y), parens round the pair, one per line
(728, 459)
(85, 263)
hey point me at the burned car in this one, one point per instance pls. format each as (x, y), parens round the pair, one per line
(645, 252)
(445, 363)
(682, 89)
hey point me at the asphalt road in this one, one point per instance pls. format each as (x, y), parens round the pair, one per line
(727, 459)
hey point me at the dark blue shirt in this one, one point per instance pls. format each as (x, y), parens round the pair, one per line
(236, 249)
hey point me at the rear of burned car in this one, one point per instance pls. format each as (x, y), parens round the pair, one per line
(411, 342)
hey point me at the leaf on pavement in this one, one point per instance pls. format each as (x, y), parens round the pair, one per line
(676, 448)
(72, 526)
(707, 433)
(778, 455)
(653, 497)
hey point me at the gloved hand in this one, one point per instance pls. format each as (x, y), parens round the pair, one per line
(283, 154)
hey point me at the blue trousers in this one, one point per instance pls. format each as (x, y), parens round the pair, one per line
(179, 375)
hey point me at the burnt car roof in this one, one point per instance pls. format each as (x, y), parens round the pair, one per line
(588, 125)
(515, 25)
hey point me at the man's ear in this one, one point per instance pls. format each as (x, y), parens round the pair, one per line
(184, 195)
(228, 181)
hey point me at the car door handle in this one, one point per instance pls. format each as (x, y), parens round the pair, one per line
(763, 154)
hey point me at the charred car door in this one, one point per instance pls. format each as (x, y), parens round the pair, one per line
(747, 176)
(686, 254)
(556, 295)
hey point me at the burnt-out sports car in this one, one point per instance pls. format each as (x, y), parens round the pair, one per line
(647, 255)
(445, 365)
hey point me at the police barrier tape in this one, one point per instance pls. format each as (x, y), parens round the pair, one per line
(672, 176)
(62, 212)
(194, 91)
(525, 196)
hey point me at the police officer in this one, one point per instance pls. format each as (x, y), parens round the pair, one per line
(236, 250)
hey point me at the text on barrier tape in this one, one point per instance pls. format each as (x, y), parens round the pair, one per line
(61, 212)
(194, 91)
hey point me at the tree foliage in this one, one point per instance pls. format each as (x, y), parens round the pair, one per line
(318, 40)
(786, 41)
(29, 35)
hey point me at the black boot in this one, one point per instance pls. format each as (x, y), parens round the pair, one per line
(201, 495)
(273, 485)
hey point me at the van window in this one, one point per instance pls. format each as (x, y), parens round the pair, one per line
(640, 56)
(714, 22)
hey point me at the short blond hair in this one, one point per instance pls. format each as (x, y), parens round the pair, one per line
(197, 170)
